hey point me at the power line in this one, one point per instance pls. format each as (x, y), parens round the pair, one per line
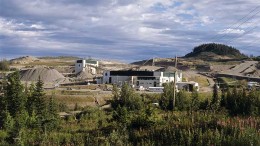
(243, 22)
(252, 42)
(246, 32)
(230, 29)
(238, 22)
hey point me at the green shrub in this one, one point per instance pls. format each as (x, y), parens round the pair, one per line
(4, 65)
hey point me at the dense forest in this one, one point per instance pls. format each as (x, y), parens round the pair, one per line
(218, 49)
(227, 117)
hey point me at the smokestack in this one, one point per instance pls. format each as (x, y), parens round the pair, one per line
(175, 61)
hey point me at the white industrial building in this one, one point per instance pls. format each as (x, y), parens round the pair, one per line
(138, 79)
(86, 65)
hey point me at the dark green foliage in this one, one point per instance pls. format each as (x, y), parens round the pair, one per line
(52, 116)
(9, 122)
(183, 101)
(14, 95)
(115, 92)
(223, 100)
(144, 119)
(127, 97)
(62, 107)
(166, 101)
(38, 104)
(257, 59)
(122, 116)
(31, 102)
(218, 49)
(39, 98)
(3, 110)
(215, 103)
(205, 105)
(241, 102)
(195, 103)
(19, 116)
(133, 120)
(4, 65)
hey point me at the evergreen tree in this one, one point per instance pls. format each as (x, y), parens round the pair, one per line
(166, 101)
(3, 110)
(183, 101)
(9, 122)
(223, 101)
(121, 115)
(194, 101)
(31, 102)
(38, 97)
(252, 103)
(126, 94)
(52, 109)
(14, 94)
(52, 119)
(21, 120)
(215, 98)
(129, 98)
(115, 92)
(235, 105)
(230, 100)
(32, 121)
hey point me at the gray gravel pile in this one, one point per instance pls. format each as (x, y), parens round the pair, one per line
(45, 74)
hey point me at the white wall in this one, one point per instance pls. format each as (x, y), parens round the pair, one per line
(160, 79)
(96, 65)
(166, 79)
(92, 70)
(106, 75)
(85, 67)
(80, 66)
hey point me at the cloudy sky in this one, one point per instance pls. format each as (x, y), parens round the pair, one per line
(125, 30)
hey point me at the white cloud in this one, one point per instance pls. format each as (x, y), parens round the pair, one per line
(232, 31)
(94, 19)
(14, 29)
(127, 24)
(37, 26)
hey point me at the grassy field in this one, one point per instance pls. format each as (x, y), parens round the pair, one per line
(82, 97)
(200, 79)
(224, 81)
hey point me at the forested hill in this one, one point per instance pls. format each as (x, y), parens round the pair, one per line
(215, 50)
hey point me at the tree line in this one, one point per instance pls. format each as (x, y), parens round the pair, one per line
(228, 117)
(23, 108)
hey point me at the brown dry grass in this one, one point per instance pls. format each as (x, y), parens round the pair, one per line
(82, 98)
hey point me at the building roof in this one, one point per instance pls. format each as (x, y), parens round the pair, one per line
(148, 68)
(131, 73)
(169, 69)
(91, 61)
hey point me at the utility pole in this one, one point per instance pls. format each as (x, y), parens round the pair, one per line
(174, 83)
(153, 62)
